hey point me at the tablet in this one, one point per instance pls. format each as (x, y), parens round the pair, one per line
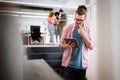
(71, 40)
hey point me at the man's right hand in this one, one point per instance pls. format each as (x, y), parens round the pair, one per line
(69, 45)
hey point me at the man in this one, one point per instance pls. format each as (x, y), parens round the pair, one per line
(62, 21)
(75, 59)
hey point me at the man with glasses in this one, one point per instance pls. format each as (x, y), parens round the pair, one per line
(75, 59)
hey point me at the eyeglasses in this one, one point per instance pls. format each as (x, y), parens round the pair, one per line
(78, 20)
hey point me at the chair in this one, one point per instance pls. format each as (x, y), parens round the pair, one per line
(36, 34)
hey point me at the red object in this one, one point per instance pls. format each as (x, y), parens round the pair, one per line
(29, 39)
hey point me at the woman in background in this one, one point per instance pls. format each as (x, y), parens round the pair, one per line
(51, 27)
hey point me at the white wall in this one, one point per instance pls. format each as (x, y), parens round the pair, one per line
(26, 22)
(108, 39)
(91, 22)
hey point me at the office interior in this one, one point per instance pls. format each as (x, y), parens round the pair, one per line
(19, 58)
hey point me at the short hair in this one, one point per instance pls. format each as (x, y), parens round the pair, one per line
(51, 14)
(56, 13)
(61, 10)
(81, 10)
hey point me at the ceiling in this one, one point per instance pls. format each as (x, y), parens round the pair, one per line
(68, 6)
(58, 3)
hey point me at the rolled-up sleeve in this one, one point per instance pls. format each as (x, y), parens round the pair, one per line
(91, 46)
(64, 34)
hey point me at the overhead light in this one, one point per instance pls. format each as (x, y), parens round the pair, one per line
(33, 16)
(43, 17)
(30, 13)
(18, 12)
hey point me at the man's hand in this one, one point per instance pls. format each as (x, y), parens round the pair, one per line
(69, 45)
(81, 31)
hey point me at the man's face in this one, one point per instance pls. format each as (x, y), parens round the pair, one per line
(79, 19)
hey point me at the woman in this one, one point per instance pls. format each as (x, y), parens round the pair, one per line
(51, 27)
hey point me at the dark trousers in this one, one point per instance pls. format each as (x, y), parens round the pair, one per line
(74, 74)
